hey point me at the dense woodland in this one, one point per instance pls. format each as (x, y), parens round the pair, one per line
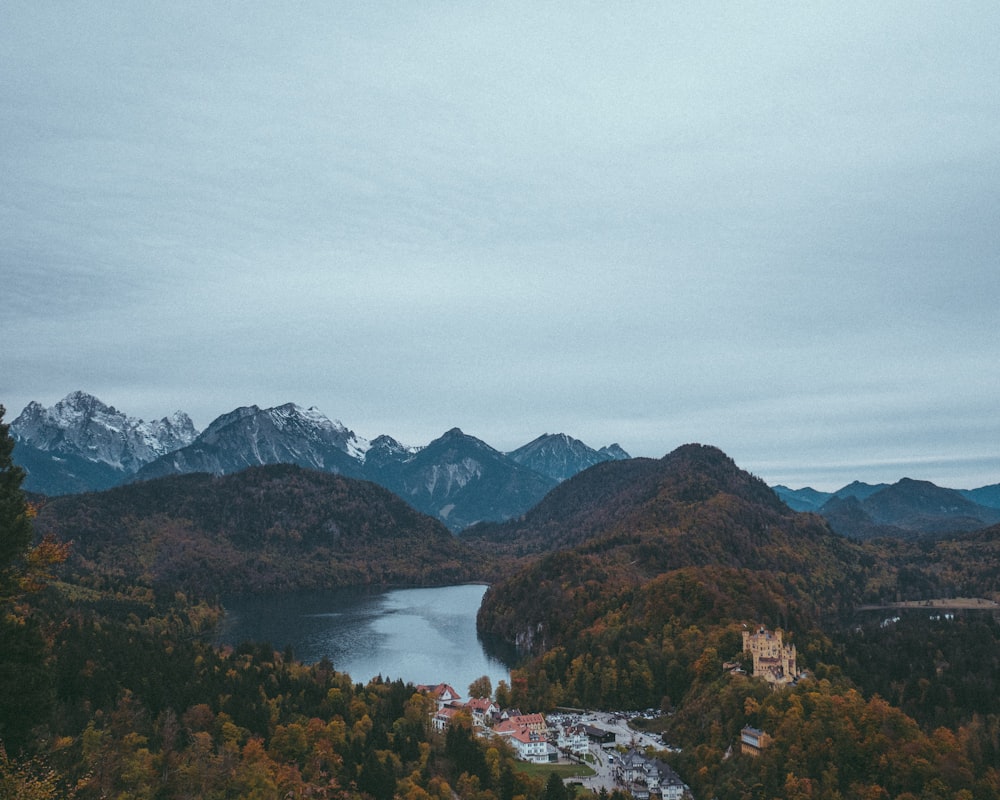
(266, 529)
(628, 587)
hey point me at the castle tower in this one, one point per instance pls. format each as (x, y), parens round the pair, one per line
(772, 660)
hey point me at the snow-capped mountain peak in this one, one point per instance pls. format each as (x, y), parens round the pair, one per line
(81, 425)
(293, 417)
(250, 436)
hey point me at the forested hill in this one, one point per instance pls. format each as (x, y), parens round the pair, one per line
(272, 528)
(688, 540)
(693, 507)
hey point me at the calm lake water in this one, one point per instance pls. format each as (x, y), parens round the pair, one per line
(420, 635)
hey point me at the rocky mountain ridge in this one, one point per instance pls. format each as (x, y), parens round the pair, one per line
(560, 456)
(250, 436)
(79, 446)
(82, 444)
(80, 424)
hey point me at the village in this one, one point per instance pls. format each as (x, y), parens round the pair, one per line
(620, 756)
(615, 753)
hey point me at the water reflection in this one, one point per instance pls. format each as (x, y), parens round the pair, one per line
(419, 635)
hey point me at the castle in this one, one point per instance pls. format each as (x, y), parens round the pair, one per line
(772, 660)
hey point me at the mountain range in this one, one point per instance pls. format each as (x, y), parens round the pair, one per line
(904, 509)
(82, 445)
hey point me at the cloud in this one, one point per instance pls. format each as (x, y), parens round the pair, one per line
(771, 229)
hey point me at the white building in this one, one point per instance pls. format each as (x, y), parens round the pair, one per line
(534, 747)
(573, 738)
(528, 735)
(644, 777)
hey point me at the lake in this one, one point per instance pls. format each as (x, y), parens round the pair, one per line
(424, 636)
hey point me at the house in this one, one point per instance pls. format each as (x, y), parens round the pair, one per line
(483, 710)
(443, 717)
(528, 735)
(752, 741)
(442, 693)
(534, 722)
(533, 746)
(643, 777)
(629, 767)
(599, 735)
(772, 659)
(667, 783)
(573, 738)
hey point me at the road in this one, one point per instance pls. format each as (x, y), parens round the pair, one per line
(624, 736)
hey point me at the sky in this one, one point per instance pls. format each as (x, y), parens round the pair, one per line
(769, 227)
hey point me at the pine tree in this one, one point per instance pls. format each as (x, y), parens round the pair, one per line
(26, 689)
(15, 519)
(555, 789)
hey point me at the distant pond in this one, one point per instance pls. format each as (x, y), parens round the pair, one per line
(420, 635)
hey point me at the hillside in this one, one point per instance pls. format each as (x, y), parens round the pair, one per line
(271, 528)
(692, 507)
(634, 592)
(687, 540)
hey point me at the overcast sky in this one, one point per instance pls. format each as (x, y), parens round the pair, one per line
(774, 228)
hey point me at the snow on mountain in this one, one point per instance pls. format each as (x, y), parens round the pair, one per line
(81, 444)
(445, 479)
(82, 426)
(251, 436)
(385, 453)
(291, 416)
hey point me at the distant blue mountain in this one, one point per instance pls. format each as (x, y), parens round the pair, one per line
(985, 495)
(805, 499)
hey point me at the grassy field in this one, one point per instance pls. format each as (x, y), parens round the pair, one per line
(954, 603)
(562, 770)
